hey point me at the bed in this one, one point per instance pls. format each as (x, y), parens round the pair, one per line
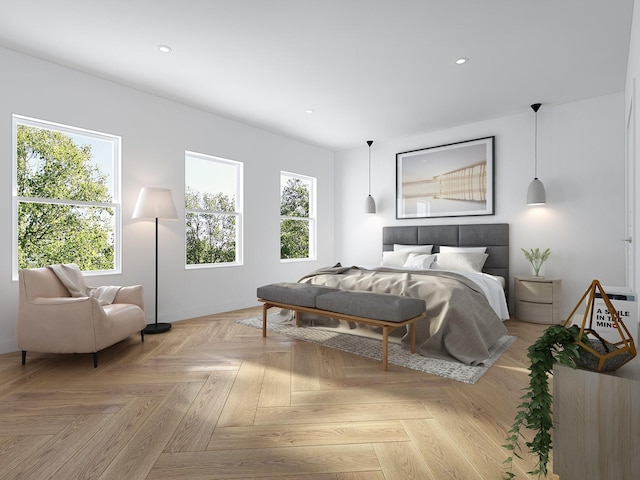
(465, 309)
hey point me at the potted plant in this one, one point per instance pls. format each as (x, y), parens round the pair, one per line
(574, 346)
(536, 258)
(556, 344)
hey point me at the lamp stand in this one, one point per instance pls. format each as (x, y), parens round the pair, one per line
(157, 327)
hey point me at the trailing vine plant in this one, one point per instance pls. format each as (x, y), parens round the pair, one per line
(556, 344)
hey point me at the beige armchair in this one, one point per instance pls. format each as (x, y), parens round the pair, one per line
(51, 320)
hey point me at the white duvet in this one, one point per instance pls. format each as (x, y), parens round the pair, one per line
(493, 289)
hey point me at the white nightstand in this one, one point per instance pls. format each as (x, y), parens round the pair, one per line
(538, 299)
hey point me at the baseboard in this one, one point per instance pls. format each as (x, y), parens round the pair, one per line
(8, 346)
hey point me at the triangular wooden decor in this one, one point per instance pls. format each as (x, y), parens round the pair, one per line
(597, 353)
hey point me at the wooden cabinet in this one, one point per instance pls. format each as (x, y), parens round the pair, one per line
(596, 419)
(538, 299)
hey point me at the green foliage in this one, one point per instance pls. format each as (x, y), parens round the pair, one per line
(556, 344)
(536, 258)
(210, 237)
(294, 239)
(50, 165)
(295, 199)
(294, 234)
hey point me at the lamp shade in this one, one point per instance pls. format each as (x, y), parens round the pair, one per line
(536, 194)
(370, 206)
(155, 202)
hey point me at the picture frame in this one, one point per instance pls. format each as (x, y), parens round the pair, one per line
(450, 180)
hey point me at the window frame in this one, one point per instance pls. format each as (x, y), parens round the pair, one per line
(238, 213)
(115, 204)
(311, 219)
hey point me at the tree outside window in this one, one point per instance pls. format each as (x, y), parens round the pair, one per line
(66, 202)
(297, 217)
(213, 194)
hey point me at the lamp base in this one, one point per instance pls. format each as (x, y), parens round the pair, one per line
(157, 328)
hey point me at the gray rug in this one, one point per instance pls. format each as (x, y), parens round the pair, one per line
(372, 348)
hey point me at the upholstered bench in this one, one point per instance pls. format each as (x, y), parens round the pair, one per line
(378, 309)
(299, 294)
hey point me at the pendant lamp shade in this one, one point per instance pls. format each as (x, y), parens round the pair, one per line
(536, 194)
(370, 204)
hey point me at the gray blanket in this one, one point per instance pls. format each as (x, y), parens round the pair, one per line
(460, 323)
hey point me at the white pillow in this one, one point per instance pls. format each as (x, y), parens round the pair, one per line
(395, 259)
(419, 261)
(460, 262)
(412, 248)
(463, 249)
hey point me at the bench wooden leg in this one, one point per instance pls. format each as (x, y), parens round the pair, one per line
(386, 329)
(265, 307)
(385, 346)
(412, 333)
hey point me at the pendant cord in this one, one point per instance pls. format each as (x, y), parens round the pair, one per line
(535, 107)
(369, 142)
(369, 170)
(535, 148)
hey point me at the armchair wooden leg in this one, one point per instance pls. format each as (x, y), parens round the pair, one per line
(142, 335)
(95, 359)
(24, 356)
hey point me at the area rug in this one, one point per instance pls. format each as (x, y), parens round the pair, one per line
(372, 348)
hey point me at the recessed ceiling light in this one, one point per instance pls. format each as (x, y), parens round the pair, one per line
(462, 60)
(310, 110)
(164, 48)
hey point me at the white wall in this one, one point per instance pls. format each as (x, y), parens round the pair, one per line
(633, 118)
(155, 133)
(580, 161)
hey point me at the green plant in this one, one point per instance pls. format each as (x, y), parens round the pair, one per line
(536, 257)
(556, 344)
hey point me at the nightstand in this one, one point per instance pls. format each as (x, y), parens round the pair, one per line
(538, 299)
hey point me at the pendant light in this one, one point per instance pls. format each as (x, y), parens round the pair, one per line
(370, 206)
(536, 194)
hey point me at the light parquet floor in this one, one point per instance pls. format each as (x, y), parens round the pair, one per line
(212, 399)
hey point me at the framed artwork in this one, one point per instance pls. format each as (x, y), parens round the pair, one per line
(451, 180)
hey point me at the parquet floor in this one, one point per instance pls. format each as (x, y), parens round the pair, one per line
(212, 399)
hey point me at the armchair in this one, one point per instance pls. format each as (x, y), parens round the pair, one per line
(51, 320)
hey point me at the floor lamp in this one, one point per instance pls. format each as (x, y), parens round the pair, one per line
(156, 203)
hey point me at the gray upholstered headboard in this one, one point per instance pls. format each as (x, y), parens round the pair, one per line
(494, 236)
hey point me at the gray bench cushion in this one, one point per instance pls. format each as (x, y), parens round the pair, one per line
(377, 306)
(299, 294)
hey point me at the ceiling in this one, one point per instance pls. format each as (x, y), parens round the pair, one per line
(370, 69)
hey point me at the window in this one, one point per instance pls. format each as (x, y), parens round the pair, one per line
(213, 207)
(297, 217)
(66, 197)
